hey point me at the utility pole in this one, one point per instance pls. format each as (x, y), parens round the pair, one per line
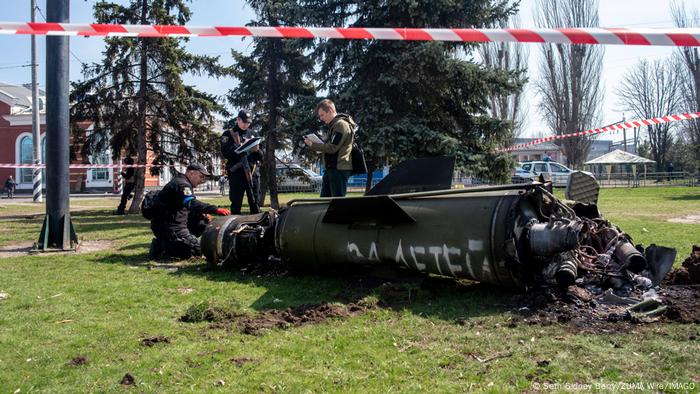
(57, 232)
(36, 120)
(624, 133)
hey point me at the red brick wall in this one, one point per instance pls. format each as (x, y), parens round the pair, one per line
(8, 154)
(8, 146)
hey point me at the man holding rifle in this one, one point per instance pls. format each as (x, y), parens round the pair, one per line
(239, 167)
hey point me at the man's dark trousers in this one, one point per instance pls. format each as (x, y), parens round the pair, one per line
(128, 188)
(335, 182)
(237, 188)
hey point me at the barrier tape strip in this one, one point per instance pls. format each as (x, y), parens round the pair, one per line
(687, 37)
(615, 127)
(16, 165)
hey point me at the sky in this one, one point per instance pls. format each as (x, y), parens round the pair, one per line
(612, 13)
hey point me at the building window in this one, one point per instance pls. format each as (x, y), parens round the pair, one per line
(25, 157)
(101, 174)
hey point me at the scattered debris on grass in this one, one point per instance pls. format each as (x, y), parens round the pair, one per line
(606, 312)
(241, 361)
(78, 360)
(154, 340)
(128, 380)
(490, 358)
(596, 306)
(3, 296)
(185, 290)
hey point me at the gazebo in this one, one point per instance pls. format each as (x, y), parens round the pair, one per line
(620, 157)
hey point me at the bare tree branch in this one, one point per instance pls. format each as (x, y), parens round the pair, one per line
(509, 57)
(689, 58)
(569, 84)
(651, 89)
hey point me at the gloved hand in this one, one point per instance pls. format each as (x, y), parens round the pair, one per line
(223, 211)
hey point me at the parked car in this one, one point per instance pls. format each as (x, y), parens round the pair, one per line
(519, 175)
(294, 178)
(530, 171)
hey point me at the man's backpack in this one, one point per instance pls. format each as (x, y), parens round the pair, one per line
(149, 205)
(357, 156)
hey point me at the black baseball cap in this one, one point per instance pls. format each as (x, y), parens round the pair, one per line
(245, 115)
(198, 167)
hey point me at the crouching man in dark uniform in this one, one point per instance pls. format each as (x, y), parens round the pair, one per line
(178, 220)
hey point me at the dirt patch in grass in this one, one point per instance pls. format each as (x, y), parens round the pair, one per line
(297, 316)
(128, 380)
(207, 312)
(25, 248)
(149, 342)
(689, 219)
(78, 360)
(241, 361)
(689, 272)
(683, 303)
(272, 268)
(257, 324)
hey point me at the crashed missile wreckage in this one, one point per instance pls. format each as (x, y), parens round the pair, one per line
(516, 236)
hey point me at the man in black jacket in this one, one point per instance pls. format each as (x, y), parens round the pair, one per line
(129, 182)
(172, 224)
(10, 185)
(239, 183)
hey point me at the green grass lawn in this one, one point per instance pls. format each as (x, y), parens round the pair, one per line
(100, 305)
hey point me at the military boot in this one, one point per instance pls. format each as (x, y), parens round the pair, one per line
(157, 249)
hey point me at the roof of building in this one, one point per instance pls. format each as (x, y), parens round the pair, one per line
(545, 146)
(619, 157)
(19, 97)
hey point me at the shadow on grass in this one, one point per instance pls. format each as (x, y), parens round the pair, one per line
(429, 296)
(685, 197)
(134, 246)
(398, 290)
(89, 221)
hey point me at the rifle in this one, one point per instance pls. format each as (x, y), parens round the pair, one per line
(242, 151)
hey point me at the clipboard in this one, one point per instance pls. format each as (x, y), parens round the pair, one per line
(314, 138)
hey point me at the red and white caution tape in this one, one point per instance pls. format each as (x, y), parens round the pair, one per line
(16, 165)
(615, 127)
(609, 36)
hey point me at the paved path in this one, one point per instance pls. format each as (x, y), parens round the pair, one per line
(26, 198)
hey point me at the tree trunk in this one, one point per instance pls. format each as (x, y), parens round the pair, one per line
(140, 178)
(274, 103)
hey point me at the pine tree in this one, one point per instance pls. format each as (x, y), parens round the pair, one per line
(136, 98)
(273, 80)
(413, 99)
